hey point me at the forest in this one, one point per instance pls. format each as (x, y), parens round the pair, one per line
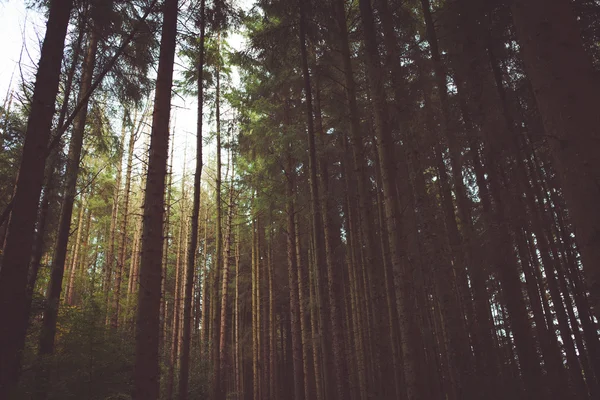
(383, 199)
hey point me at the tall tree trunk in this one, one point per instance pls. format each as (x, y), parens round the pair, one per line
(177, 294)
(218, 237)
(238, 355)
(205, 328)
(51, 175)
(304, 315)
(19, 236)
(255, 310)
(293, 281)
(48, 333)
(146, 370)
(224, 296)
(193, 245)
(74, 262)
(164, 312)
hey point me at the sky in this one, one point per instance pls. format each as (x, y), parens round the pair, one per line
(16, 23)
(23, 31)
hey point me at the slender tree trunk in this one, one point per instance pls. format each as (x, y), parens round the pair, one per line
(112, 235)
(205, 329)
(51, 176)
(146, 370)
(71, 283)
(19, 237)
(165, 267)
(224, 296)
(238, 355)
(255, 311)
(124, 221)
(293, 279)
(304, 315)
(193, 245)
(48, 333)
(218, 238)
(177, 294)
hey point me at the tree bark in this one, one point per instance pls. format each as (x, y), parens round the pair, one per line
(224, 297)
(48, 333)
(193, 245)
(146, 369)
(293, 281)
(19, 236)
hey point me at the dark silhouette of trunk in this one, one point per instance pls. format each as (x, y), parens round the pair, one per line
(18, 244)
(48, 333)
(193, 245)
(560, 69)
(51, 175)
(146, 369)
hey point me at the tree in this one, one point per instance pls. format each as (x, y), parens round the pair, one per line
(193, 245)
(19, 239)
(146, 373)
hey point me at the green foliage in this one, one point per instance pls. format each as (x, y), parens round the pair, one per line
(12, 133)
(91, 360)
